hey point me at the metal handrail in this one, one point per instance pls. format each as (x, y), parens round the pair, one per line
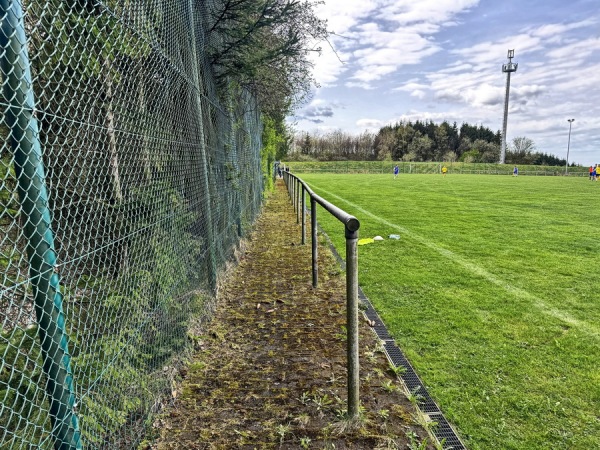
(297, 189)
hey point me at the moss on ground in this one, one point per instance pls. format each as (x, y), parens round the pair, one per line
(270, 367)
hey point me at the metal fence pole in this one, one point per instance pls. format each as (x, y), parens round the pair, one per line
(303, 206)
(352, 318)
(298, 190)
(314, 242)
(296, 185)
(21, 119)
(206, 198)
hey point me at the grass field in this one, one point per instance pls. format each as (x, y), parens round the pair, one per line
(493, 293)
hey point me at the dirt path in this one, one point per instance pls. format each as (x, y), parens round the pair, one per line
(270, 370)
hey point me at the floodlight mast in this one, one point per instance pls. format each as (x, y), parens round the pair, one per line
(509, 67)
(568, 146)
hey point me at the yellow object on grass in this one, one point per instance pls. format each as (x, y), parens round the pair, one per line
(365, 241)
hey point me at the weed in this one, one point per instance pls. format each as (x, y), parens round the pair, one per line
(397, 370)
(304, 398)
(302, 420)
(305, 442)
(346, 424)
(379, 347)
(282, 430)
(414, 443)
(322, 401)
(333, 379)
(384, 413)
(343, 334)
(379, 372)
(442, 445)
(389, 386)
(414, 397)
(371, 357)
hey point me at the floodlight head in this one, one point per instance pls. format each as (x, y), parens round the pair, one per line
(570, 120)
(510, 66)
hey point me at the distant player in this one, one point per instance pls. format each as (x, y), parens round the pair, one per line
(396, 171)
(516, 172)
(591, 171)
(444, 170)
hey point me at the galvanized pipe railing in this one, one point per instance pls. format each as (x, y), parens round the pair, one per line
(296, 187)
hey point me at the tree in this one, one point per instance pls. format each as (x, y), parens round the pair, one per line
(420, 146)
(450, 157)
(489, 152)
(520, 151)
(306, 145)
(263, 45)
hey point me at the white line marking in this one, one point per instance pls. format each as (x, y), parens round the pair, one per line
(477, 270)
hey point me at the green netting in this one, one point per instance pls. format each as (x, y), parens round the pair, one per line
(111, 245)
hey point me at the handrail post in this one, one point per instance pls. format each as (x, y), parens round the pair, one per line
(303, 206)
(293, 193)
(314, 242)
(352, 319)
(298, 190)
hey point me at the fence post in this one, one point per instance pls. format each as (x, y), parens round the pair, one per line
(299, 189)
(29, 168)
(352, 316)
(314, 242)
(303, 206)
(206, 200)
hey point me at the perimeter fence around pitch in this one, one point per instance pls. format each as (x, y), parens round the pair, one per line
(125, 184)
(386, 167)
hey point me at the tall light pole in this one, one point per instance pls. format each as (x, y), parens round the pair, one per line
(568, 146)
(508, 68)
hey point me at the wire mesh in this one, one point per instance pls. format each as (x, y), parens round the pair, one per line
(152, 176)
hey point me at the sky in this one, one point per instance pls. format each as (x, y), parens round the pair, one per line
(398, 60)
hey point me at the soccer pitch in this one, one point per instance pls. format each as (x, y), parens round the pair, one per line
(492, 292)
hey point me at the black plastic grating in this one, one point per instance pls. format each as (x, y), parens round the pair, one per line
(411, 379)
(379, 328)
(446, 434)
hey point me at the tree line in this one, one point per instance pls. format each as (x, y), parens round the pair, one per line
(420, 141)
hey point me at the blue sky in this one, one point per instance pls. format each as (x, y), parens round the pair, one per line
(442, 60)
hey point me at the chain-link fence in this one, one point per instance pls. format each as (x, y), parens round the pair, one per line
(126, 180)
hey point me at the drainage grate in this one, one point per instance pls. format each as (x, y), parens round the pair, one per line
(411, 379)
(446, 434)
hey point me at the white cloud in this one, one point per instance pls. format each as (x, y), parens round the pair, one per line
(380, 36)
(556, 29)
(359, 84)
(369, 124)
(406, 12)
(328, 66)
(342, 15)
(373, 72)
(576, 50)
